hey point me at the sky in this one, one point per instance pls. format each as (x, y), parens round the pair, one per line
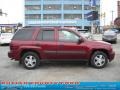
(15, 11)
(108, 6)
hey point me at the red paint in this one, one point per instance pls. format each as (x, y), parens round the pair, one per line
(58, 50)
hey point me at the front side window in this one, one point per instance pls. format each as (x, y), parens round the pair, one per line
(46, 35)
(65, 35)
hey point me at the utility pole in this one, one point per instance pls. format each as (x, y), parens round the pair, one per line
(112, 16)
(104, 17)
(1, 13)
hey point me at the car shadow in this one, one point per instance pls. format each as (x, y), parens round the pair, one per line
(4, 45)
(64, 64)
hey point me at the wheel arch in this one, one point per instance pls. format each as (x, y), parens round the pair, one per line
(27, 50)
(103, 50)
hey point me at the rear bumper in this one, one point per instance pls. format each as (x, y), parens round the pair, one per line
(112, 56)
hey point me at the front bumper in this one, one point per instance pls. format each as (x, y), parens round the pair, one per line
(111, 56)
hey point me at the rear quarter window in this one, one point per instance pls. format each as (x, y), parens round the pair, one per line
(23, 34)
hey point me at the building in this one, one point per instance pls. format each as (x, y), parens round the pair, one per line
(118, 8)
(69, 13)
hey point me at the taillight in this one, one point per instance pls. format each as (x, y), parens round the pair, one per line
(13, 47)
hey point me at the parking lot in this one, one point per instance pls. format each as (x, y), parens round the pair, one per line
(13, 71)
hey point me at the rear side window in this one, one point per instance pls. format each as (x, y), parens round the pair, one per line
(23, 34)
(46, 35)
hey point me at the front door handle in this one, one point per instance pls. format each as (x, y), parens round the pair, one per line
(61, 45)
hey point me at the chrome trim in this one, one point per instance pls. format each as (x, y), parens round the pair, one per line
(65, 52)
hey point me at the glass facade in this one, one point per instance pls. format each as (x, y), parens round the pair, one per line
(58, 12)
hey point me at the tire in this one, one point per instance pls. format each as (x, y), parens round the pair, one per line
(99, 59)
(30, 60)
(115, 41)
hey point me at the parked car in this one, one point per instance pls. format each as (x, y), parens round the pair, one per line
(85, 33)
(32, 45)
(109, 36)
(115, 30)
(5, 38)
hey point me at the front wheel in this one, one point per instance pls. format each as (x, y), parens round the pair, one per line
(99, 59)
(30, 60)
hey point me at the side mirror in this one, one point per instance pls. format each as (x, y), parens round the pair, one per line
(80, 40)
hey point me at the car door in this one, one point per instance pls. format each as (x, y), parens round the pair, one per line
(68, 46)
(46, 40)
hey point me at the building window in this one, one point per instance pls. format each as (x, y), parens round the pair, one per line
(32, 0)
(32, 16)
(97, 7)
(72, 0)
(72, 7)
(85, 16)
(87, 7)
(32, 7)
(87, 0)
(73, 16)
(52, 7)
(52, 16)
(51, 0)
(118, 3)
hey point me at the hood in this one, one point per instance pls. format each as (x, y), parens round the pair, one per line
(97, 43)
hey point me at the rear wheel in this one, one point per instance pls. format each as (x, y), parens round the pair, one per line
(30, 60)
(99, 59)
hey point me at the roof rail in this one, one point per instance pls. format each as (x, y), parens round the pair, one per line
(42, 26)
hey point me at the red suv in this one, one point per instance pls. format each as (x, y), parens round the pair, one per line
(32, 45)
